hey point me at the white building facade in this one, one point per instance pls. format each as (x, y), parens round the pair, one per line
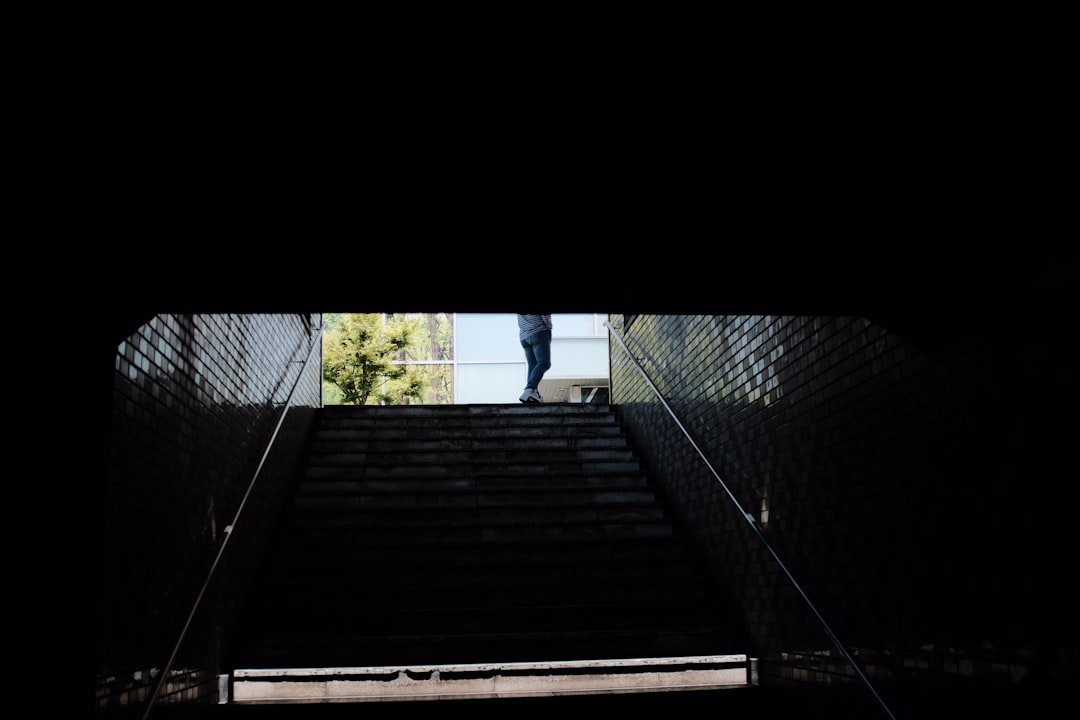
(489, 362)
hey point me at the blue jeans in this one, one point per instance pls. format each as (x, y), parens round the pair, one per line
(537, 357)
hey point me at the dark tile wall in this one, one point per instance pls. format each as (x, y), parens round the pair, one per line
(196, 401)
(907, 501)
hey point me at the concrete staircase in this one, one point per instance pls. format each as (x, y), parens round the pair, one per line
(433, 552)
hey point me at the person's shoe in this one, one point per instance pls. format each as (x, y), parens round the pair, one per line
(530, 396)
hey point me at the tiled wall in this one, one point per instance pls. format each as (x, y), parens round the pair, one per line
(913, 494)
(196, 401)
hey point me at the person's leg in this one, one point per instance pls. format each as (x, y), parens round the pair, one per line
(538, 357)
(530, 359)
(530, 394)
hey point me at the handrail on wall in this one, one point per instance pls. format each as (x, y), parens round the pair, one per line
(230, 527)
(750, 519)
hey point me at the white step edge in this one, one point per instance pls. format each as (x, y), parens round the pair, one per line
(489, 680)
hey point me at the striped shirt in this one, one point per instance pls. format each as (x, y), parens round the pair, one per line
(529, 325)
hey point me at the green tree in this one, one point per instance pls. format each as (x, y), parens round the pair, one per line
(358, 354)
(431, 353)
(331, 393)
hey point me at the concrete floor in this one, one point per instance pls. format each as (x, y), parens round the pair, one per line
(747, 702)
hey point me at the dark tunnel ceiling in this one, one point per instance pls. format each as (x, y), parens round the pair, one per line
(918, 296)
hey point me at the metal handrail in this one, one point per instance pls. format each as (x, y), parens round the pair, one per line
(230, 527)
(753, 523)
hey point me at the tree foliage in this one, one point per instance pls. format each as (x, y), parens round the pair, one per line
(358, 359)
(431, 354)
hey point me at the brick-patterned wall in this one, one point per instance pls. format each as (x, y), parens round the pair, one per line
(196, 401)
(915, 494)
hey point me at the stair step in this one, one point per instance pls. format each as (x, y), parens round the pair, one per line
(489, 680)
(465, 499)
(363, 645)
(420, 613)
(457, 482)
(544, 452)
(484, 647)
(498, 431)
(643, 555)
(542, 466)
(539, 440)
(323, 595)
(475, 518)
(398, 537)
(480, 412)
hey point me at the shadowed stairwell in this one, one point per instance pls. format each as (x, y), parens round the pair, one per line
(478, 551)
